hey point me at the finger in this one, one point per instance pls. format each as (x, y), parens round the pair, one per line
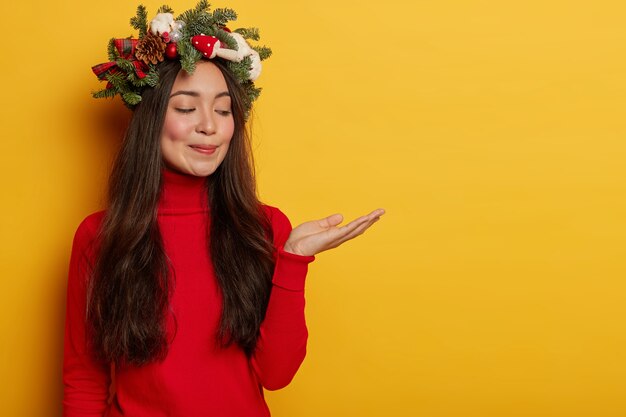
(354, 232)
(354, 224)
(363, 219)
(335, 219)
(359, 230)
(377, 213)
(374, 214)
(330, 221)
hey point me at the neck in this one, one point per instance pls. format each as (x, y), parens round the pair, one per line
(182, 193)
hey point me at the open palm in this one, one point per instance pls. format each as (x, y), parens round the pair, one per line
(316, 236)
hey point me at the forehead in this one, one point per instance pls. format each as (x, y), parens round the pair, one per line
(207, 78)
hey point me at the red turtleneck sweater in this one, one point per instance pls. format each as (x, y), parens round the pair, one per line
(197, 378)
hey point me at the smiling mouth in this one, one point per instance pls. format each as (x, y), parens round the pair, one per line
(205, 149)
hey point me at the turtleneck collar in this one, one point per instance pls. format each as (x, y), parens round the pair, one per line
(182, 193)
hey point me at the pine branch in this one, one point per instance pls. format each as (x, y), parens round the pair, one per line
(112, 50)
(131, 98)
(249, 33)
(106, 93)
(222, 16)
(252, 93)
(140, 22)
(165, 9)
(226, 39)
(200, 24)
(241, 70)
(118, 80)
(191, 15)
(202, 6)
(125, 65)
(135, 81)
(152, 77)
(189, 55)
(264, 52)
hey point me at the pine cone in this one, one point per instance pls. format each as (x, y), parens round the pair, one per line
(150, 48)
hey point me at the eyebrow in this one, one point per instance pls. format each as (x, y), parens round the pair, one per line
(196, 94)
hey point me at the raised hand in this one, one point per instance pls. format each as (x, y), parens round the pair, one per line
(316, 236)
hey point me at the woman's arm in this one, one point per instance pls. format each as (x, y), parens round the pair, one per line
(86, 382)
(281, 346)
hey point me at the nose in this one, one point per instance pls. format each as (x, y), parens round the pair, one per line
(206, 122)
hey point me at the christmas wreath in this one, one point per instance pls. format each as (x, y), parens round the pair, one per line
(193, 35)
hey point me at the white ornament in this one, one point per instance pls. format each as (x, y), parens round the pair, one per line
(161, 23)
(255, 68)
(177, 25)
(243, 49)
(175, 36)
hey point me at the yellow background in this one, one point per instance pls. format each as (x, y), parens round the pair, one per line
(493, 132)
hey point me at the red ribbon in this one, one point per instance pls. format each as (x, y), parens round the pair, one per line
(126, 49)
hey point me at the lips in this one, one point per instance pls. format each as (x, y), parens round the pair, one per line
(205, 149)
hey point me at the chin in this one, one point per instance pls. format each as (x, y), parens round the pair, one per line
(202, 171)
(193, 167)
(203, 174)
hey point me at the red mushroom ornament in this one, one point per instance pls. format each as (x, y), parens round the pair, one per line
(207, 45)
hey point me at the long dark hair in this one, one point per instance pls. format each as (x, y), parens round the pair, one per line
(130, 286)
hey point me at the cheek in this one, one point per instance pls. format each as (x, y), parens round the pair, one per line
(174, 129)
(229, 129)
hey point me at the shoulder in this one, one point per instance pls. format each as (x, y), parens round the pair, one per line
(281, 226)
(84, 246)
(88, 229)
(276, 216)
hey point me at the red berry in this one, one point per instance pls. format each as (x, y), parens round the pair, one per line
(170, 51)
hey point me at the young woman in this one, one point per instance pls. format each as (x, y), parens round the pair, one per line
(186, 295)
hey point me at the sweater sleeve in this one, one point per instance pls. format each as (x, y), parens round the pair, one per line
(281, 346)
(86, 382)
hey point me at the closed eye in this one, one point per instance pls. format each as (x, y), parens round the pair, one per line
(223, 112)
(180, 110)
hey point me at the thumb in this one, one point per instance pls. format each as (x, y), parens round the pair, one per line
(331, 221)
